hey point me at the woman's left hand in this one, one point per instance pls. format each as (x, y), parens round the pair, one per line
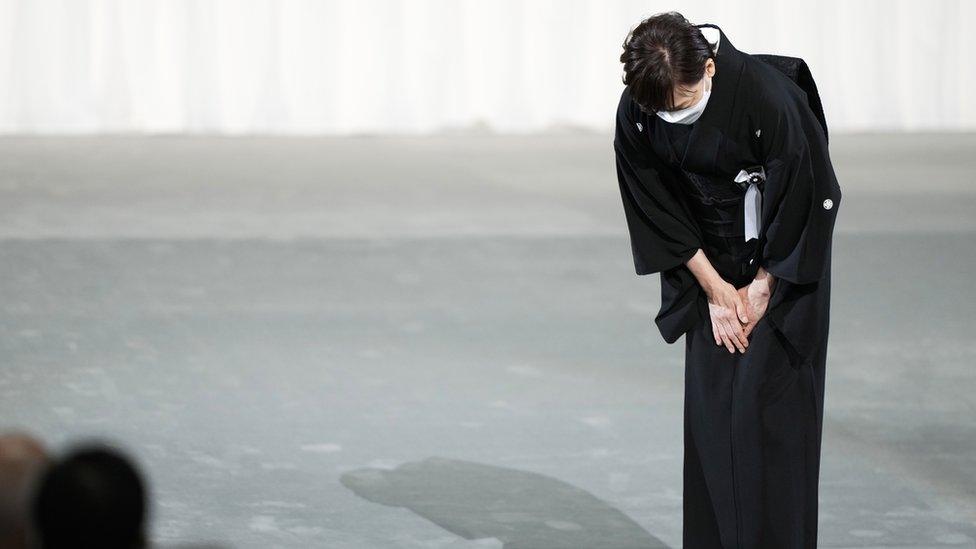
(756, 297)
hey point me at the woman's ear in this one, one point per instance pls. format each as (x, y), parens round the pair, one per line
(710, 67)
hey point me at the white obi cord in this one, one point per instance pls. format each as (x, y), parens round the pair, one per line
(753, 201)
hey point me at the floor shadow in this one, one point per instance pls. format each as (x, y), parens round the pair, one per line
(521, 509)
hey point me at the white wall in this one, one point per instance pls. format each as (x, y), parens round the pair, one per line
(417, 66)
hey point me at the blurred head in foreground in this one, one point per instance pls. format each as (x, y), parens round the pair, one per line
(92, 497)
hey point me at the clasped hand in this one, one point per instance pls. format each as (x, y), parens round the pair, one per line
(736, 311)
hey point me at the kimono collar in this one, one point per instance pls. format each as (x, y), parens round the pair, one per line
(728, 69)
(700, 146)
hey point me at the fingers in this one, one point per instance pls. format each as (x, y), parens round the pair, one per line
(727, 330)
(726, 338)
(743, 336)
(740, 308)
(736, 335)
(728, 316)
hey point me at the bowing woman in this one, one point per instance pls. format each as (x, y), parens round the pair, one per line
(729, 193)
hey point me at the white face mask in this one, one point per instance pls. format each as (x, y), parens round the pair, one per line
(688, 115)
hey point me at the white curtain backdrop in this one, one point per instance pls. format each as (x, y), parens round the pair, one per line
(421, 66)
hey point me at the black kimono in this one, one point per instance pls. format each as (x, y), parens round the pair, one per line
(753, 420)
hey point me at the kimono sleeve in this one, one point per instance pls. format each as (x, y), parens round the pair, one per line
(801, 195)
(663, 234)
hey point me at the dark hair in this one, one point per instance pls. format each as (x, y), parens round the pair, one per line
(661, 53)
(93, 497)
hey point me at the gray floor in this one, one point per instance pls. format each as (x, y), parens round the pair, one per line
(441, 343)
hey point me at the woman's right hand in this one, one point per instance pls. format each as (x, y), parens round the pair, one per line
(728, 313)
